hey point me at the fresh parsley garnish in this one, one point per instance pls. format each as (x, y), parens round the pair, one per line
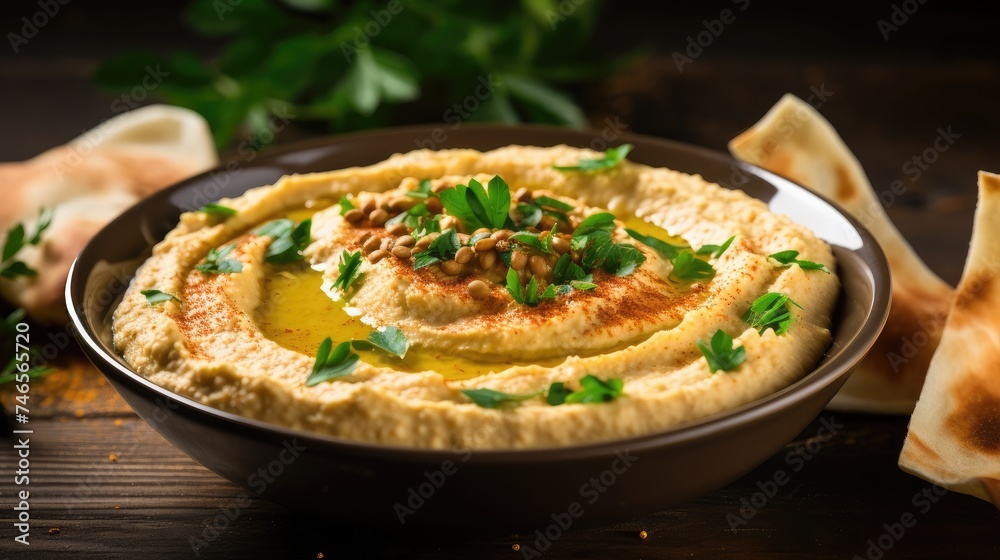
(529, 239)
(582, 285)
(332, 363)
(216, 209)
(528, 295)
(548, 202)
(423, 190)
(412, 218)
(788, 258)
(593, 238)
(565, 271)
(390, 340)
(478, 207)
(689, 268)
(217, 263)
(770, 311)
(592, 390)
(350, 270)
(345, 205)
(156, 296)
(715, 251)
(612, 157)
(721, 354)
(11, 268)
(288, 240)
(443, 248)
(530, 214)
(666, 250)
(488, 398)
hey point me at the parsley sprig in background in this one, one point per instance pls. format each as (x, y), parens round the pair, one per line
(353, 66)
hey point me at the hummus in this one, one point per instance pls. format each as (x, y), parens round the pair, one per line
(507, 282)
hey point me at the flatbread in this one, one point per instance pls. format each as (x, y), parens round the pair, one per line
(88, 182)
(795, 141)
(954, 435)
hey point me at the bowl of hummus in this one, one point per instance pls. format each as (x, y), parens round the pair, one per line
(405, 331)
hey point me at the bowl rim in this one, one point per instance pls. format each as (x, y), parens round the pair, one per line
(877, 272)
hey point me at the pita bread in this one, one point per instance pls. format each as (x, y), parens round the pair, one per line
(954, 435)
(795, 141)
(88, 182)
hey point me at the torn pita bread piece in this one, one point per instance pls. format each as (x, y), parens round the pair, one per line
(85, 184)
(954, 435)
(795, 141)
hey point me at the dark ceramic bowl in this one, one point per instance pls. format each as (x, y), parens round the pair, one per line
(503, 490)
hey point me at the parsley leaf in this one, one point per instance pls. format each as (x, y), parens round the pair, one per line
(582, 285)
(345, 205)
(715, 251)
(565, 270)
(443, 248)
(593, 238)
(553, 203)
(423, 190)
(217, 263)
(532, 240)
(350, 270)
(788, 258)
(475, 207)
(722, 354)
(156, 296)
(288, 242)
(688, 268)
(667, 250)
(488, 398)
(530, 214)
(332, 363)
(770, 311)
(612, 157)
(593, 390)
(216, 209)
(10, 268)
(557, 393)
(412, 218)
(390, 340)
(528, 295)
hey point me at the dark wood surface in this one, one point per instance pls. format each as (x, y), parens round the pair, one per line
(105, 485)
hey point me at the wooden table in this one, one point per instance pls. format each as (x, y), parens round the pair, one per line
(105, 485)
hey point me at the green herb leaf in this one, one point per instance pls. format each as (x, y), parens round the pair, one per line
(332, 363)
(557, 394)
(528, 239)
(788, 258)
(217, 263)
(476, 207)
(156, 296)
(688, 268)
(216, 209)
(529, 295)
(350, 270)
(715, 251)
(553, 203)
(443, 248)
(424, 190)
(34, 373)
(612, 157)
(565, 270)
(722, 354)
(666, 250)
(9, 323)
(412, 218)
(594, 390)
(770, 311)
(10, 268)
(530, 214)
(582, 285)
(488, 398)
(345, 205)
(42, 224)
(390, 340)
(288, 243)
(514, 287)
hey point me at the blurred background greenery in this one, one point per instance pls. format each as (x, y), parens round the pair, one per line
(344, 67)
